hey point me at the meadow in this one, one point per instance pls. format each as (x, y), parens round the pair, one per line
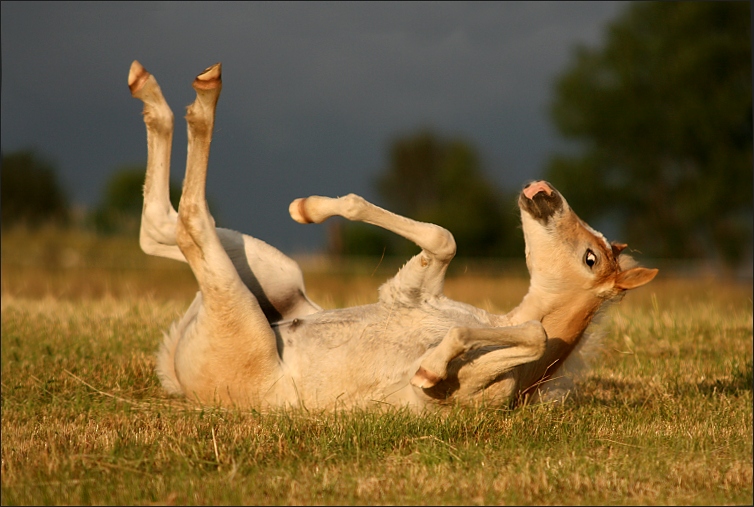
(664, 416)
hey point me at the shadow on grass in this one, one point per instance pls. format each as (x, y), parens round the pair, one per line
(635, 393)
(739, 382)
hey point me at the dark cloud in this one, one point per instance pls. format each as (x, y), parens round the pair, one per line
(313, 92)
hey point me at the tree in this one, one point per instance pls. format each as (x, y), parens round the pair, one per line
(662, 114)
(438, 180)
(30, 192)
(120, 210)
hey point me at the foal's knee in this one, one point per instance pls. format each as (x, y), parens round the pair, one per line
(437, 243)
(443, 244)
(537, 338)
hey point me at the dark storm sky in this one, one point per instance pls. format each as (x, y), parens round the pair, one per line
(312, 92)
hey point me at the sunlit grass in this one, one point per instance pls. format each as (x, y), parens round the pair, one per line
(664, 416)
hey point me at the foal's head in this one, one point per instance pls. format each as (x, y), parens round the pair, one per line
(567, 257)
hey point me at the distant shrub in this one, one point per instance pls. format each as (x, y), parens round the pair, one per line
(30, 192)
(120, 210)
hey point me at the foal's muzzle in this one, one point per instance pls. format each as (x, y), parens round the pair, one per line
(540, 200)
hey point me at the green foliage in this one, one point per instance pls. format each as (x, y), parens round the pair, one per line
(120, 211)
(663, 116)
(438, 180)
(31, 193)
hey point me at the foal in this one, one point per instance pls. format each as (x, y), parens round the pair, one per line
(252, 337)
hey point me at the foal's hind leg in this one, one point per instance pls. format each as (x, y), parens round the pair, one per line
(158, 217)
(274, 279)
(230, 354)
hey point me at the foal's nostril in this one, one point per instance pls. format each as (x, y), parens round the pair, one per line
(536, 187)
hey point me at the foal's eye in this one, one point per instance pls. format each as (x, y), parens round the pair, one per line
(590, 259)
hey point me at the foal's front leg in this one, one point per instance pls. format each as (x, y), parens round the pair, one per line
(521, 344)
(424, 274)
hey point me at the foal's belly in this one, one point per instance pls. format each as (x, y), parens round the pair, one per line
(366, 353)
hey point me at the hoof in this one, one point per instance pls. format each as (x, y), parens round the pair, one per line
(210, 79)
(297, 209)
(137, 76)
(425, 379)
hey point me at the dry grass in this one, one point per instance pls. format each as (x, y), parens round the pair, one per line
(665, 415)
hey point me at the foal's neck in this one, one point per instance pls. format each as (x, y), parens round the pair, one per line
(564, 316)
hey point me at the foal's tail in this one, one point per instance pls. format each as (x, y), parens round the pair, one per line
(166, 354)
(166, 360)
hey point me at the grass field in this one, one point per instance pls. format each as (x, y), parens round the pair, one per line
(663, 417)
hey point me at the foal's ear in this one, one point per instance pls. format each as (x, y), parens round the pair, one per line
(617, 248)
(634, 277)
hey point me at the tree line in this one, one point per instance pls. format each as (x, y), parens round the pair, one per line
(659, 121)
(32, 196)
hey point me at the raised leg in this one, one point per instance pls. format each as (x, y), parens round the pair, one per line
(522, 343)
(158, 218)
(231, 352)
(274, 279)
(423, 274)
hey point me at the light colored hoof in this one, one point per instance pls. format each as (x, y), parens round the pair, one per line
(210, 79)
(137, 76)
(297, 209)
(425, 379)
